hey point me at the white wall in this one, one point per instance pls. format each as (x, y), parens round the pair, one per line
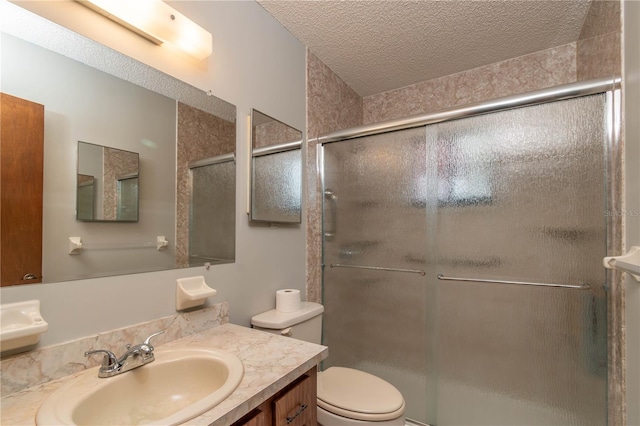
(256, 64)
(631, 31)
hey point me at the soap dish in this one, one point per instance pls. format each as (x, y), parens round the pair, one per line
(20, 325)
(192, 292)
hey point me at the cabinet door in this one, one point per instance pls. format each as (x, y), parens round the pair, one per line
(21, 168)
(297, 407)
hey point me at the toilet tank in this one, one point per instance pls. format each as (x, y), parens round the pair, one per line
(303, 324)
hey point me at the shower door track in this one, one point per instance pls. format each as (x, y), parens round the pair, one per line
(558, 93)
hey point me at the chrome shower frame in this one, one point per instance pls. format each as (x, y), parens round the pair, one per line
(611, 87)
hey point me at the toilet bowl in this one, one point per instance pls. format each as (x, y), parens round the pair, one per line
(353, 397)
(346, 396)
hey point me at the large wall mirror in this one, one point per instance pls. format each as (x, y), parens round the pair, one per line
(276, 170)
(164, 128)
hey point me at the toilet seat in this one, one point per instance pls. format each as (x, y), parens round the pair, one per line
(358, 395)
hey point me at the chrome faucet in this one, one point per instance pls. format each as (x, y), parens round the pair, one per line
(135, 357)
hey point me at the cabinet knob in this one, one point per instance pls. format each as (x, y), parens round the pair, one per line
(29, 277)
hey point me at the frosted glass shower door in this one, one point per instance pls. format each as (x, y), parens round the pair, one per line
(376, 301)
(127, 201)
(212, 213)
(521, 197)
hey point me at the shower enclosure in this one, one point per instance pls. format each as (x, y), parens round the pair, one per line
(212, 210)
(127, 198)
(462, 257)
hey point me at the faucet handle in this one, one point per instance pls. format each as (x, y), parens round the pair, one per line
(148, 339)
(109, 359)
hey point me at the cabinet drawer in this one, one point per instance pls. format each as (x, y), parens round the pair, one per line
(297, 407)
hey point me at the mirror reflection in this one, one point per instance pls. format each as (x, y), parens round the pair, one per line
(276, 170)
(206, 235)
(166, 123)
(212, 210)
(107, 184)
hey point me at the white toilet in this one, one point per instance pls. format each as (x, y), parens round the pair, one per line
(345, 396)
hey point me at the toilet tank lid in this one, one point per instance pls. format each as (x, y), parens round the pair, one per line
(276, 320)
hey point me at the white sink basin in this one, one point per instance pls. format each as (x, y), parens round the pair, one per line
(178, 386)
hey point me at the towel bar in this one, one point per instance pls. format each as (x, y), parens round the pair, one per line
(378, 268)
(580, 286)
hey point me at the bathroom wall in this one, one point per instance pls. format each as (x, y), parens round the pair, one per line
(631, 25)
(331, 105)
(273, 133)
(538, 70)
(256, 64)
(595, 54)
(598, 48)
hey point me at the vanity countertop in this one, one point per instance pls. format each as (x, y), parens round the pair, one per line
(270, 361)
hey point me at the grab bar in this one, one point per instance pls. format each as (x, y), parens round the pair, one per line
(378, 268)
(581, 286)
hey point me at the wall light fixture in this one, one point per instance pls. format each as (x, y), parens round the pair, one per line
(158, 22)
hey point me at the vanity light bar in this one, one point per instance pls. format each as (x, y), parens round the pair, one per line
(157, 22)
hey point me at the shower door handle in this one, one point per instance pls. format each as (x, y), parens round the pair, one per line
(330, 206)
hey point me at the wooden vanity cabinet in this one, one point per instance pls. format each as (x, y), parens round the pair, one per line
(295, 405)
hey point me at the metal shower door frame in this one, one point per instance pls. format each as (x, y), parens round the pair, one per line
(611, 87)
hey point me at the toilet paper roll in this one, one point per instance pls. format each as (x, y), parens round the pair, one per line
(287, 300)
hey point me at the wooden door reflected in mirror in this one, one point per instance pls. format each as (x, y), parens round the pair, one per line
(21, 168)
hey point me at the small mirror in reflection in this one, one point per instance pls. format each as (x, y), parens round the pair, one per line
(107, 185)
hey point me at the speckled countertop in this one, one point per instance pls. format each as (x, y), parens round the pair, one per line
(270, 363)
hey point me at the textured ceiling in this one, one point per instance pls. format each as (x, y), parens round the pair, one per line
(379, 45)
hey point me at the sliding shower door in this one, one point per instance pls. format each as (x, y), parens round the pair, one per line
(520, 197)
(212, 213)
(463, 263)
(376, 301)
